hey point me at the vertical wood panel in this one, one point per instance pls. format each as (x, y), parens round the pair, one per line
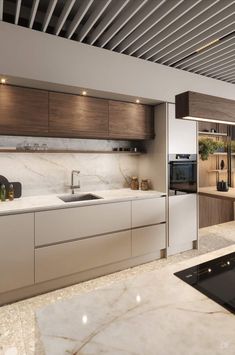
(129, 120)
(73, 115)
(214, 211)
(23, 110)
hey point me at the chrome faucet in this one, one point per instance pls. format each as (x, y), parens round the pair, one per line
(73, 187)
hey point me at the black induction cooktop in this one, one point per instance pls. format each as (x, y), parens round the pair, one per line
(215, 279)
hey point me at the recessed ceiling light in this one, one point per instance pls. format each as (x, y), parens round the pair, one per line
(137, 101)
(84, 93)
(3, 81)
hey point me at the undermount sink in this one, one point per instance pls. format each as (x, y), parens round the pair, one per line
(80, 197)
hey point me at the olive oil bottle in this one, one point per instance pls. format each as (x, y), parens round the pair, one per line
(3, 193)
(11, 192)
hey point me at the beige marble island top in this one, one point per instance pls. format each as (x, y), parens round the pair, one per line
(154, 313)
(47, 202)
(211, 191)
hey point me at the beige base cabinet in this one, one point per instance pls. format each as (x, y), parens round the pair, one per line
(183, 226)
(16, 251)
(79, 222)
(148, 211)
(45, 248)
(68, 258)
(148, 239)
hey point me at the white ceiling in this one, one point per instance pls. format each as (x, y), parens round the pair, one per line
(169, 32)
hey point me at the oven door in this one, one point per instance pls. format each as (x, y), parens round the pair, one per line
(183, 177)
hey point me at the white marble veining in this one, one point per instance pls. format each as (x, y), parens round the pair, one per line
(149, 314)
(47, 202)
(48, 173)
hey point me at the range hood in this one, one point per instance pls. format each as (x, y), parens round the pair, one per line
(200, 107)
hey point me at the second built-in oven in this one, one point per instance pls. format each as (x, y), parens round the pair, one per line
(182, 174)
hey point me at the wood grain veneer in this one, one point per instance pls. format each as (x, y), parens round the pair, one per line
(73, 115)
(204, 106)
(129, 120)
(23, 111)
(214, 211)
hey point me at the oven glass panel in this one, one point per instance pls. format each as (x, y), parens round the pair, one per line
(183, 176)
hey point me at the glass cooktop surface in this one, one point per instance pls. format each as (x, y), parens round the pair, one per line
(215, 279)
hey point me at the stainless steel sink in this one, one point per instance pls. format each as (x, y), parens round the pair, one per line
(79, 197)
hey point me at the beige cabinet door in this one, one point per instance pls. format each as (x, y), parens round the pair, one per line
(68, 258)
(148, 211)
(183, 227)
(148, 240)
(16, 251)
(79, 222)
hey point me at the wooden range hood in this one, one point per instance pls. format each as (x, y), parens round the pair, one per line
(200, 107)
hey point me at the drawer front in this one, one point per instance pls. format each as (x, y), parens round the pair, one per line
(148, 239)
(74, 223)
(149, 211)
(68, 258)
(16, 251)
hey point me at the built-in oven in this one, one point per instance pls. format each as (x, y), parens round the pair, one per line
(182, 174)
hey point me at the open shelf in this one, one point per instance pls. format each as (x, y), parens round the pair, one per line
(220, 171)
(13, 150)
(217, 134)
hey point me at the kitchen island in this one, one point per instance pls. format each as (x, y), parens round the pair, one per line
(211, 191)
(149, 314)
(215, 207)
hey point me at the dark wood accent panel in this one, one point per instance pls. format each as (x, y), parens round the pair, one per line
(130, 121)
(214, 211)
(23, 111)
(77, 116)
(204, 106)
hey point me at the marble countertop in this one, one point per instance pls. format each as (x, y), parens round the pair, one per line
(47, 202)
(212, 191)
(148, 314)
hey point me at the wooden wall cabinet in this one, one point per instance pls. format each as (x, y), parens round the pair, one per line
(77, 116)
(32, 112)
(23, 111)
(130, 121)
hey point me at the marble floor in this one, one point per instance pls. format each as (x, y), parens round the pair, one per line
(18, 334)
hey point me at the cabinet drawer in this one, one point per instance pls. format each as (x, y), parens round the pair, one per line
(64, 259)
(16, 251)
(149, 211)
(148, 239)
(74, 223)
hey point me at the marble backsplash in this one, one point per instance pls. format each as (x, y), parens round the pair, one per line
(49, 173)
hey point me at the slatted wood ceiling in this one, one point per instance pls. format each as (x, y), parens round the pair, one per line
(193, 35)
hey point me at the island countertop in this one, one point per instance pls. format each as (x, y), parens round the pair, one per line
(148, 314)
(211, 191)
(48, 202)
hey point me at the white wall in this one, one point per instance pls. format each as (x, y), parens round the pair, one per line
(38, 56)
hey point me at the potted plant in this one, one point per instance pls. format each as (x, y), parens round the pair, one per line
(208, 146)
